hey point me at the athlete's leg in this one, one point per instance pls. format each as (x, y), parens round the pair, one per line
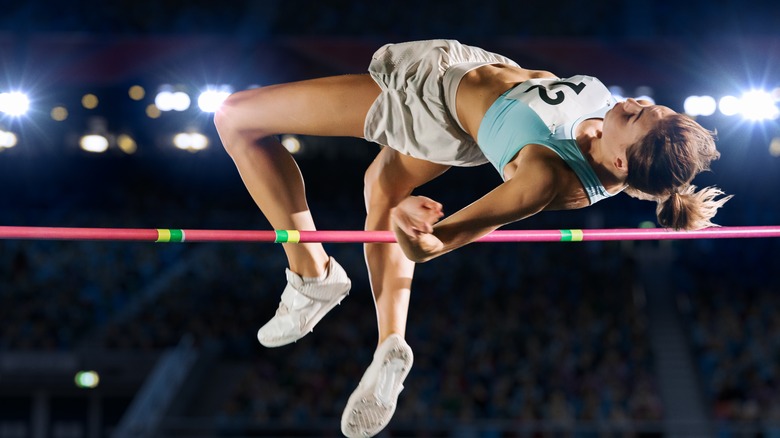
(247, 122)
(391, 177)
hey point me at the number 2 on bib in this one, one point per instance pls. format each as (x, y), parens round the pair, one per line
(559, 96)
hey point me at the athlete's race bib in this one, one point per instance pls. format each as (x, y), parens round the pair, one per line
(561, 101)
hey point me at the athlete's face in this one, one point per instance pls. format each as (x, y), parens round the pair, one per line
(628, 121)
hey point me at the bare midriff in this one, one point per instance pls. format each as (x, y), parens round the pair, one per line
(480, 88)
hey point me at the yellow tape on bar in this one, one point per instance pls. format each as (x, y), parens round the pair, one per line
(287, 236)
(571, 235)
(163, 235)
(293, 236)
(167, 235)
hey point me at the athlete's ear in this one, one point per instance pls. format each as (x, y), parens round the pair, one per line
(621, 164)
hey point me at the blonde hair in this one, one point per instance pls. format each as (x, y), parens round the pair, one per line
(662, 165)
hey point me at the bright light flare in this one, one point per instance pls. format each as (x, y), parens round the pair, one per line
(210, 100)
(729, 105)
(164, 100)
(759, 105)
(291, 143)
(700, 105)
(171, 99)
(7, 139)
(190, 141)
(14, 103)
(180, 101)
(94, 143)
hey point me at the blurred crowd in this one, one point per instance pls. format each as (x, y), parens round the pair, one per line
(552, 333)
(54, 293)
(733, 313)
(531, 332)
(522, 333)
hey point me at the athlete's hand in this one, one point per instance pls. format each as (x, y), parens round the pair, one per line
(412, 223)
(416, 215)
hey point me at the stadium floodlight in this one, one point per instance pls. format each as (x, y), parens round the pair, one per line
(700, 105)
(707, 105)
(180, 101)
(729, 105)
(292, 143)
(190, 141)
(164, 100)
(211, 99)
(758, 105)
(182, 141)
(14, 103)
(94, 143)
(7, 139)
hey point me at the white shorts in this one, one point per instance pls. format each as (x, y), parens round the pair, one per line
(415, 112)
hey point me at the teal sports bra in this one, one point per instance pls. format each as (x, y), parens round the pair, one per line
(546, 112)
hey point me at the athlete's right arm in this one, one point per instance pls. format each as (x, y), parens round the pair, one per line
(513, 200)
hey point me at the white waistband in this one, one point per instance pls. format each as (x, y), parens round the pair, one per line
(451, 81)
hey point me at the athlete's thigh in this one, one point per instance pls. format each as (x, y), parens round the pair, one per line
(331, 106)
(396, 174)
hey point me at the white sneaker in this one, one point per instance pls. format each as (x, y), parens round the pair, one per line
(303, 304)
(372, 405)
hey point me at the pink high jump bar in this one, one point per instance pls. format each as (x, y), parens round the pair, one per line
(179, 235)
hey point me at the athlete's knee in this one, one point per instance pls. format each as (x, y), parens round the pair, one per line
(380, 192)
(227, 116)
(231, 120)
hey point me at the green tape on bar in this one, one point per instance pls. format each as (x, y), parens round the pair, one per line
(571, 235)
(287, 236)
(177, 235)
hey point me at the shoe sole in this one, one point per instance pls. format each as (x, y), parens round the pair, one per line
(365, 414)
(308, 328)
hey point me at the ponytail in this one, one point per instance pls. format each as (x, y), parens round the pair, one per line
(687, 209)
(662, 165)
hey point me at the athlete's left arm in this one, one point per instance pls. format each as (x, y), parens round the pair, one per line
(516, 199)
